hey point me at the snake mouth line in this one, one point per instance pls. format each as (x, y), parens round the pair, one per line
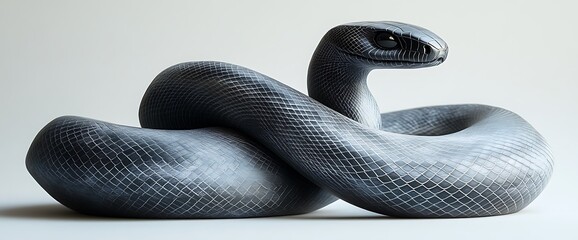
(428, 63)
(393, 63)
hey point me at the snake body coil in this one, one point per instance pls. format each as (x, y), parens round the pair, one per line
(220, 140)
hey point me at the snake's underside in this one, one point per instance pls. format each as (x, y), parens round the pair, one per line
(220, 141)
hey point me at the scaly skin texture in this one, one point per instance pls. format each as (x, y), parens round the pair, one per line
(443, 161)
(106, 169)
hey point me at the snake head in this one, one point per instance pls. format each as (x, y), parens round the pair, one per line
(389, 44)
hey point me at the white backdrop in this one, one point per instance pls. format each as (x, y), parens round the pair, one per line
(95, 59)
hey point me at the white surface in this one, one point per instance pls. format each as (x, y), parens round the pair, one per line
(96, 59)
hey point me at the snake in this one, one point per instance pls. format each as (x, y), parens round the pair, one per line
(220, 140)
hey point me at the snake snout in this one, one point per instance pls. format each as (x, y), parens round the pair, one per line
(437, 55)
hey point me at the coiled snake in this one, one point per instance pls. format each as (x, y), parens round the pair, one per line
(221, 141)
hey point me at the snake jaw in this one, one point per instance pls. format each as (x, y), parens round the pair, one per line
(387, 64)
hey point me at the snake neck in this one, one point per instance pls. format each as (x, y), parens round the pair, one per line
(337, 82)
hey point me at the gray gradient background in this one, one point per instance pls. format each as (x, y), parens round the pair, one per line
(96, 60)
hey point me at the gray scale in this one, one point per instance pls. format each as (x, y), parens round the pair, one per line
(221, 141)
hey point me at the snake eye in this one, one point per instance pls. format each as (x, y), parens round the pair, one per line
(386, 40)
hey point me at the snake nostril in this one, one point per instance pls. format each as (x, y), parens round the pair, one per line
(441, 59)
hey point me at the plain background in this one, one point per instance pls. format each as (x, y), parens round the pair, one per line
(95, 59)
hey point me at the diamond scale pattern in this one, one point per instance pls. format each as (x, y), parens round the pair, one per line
(446, 161)
(104, 169)
(222, 140)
